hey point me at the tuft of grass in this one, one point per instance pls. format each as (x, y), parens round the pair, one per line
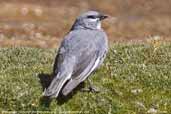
(134, 79)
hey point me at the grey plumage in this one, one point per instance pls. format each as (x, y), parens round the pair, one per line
(81, 52)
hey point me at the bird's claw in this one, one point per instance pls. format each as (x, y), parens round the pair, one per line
(94, 89)
(91, 89)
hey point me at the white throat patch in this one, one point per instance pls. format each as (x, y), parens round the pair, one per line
(99, 25)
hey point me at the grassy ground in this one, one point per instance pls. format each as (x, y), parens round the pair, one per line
(135, 79)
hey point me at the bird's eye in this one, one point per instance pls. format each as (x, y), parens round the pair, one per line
(91, 17)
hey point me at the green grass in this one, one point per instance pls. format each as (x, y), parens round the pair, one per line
(135, 79)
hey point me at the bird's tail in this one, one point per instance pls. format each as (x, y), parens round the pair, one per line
(56, 85)
(70, 86)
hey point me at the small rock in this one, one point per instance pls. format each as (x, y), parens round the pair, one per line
(140, 105)
(24, 11)
(38, 11)
(136, 91)
(2, 36)
(152, 111)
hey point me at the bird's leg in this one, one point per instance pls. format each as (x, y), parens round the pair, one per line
(91, 88)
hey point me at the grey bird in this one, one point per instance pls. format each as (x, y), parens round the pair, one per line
(81, 52)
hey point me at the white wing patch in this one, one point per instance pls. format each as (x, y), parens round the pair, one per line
(93, 68)
(96, 64)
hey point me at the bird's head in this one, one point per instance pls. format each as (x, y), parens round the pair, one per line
(89, 20)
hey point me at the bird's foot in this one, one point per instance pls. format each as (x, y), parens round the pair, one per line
(94, 89)
(91, 89)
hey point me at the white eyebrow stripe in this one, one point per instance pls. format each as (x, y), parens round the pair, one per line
(94, 20)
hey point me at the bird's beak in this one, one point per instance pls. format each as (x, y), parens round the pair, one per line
(102, 17)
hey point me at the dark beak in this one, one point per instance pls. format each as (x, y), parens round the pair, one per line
(102, 17)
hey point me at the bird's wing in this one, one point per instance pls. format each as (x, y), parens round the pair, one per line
(62, 70)
(88, 62)
(73, 82)
(63, 74)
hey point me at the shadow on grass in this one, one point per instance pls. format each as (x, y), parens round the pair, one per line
(45, 80)
(63, 99)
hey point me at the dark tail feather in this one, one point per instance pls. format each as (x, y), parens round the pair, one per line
(55, 86)
(70, 86)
